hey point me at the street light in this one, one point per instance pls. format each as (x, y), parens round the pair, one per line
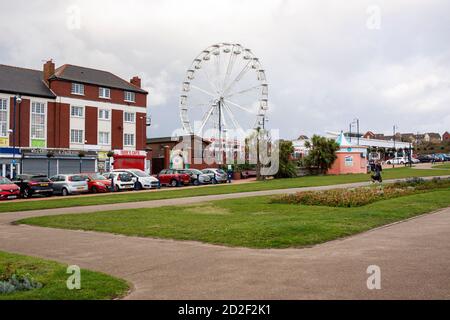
(17, 100)
(395, 150)
(355, 121)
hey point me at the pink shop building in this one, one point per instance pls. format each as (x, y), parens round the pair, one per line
(350, 158)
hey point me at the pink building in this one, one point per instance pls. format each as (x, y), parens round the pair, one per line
(350, 158)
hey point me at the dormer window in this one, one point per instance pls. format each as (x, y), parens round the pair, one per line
(129, 96)
(104, 93)
(78, 88)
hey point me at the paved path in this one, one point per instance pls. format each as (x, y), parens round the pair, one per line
(414, 257)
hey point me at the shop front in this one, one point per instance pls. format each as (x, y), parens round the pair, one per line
(125, 159)
(58, 161)
(10, 162)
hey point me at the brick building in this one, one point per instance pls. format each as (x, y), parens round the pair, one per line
(63, 119)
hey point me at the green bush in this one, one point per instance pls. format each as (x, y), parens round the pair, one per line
(357, 197)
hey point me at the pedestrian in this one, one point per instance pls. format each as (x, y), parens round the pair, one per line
(229, 174)
(377, 173)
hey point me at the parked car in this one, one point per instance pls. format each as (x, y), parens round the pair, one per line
(217, 175)
(415, 160)
(197, 177)
(34, 184)
(397, 160)
(65, 184)
(97, 183)
(141, 179)
(172, 178)
(8, 190)
(425, 158)
(248, 174)
(440, 157)
(121, 180)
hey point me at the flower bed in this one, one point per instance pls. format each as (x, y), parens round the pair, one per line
(357, 197)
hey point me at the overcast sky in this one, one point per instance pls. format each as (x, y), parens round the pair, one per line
(327, 62)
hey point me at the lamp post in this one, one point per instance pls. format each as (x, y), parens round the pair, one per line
(357, 129)
(17, 101)
(395, 151)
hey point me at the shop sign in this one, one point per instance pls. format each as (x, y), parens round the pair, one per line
(4, 142)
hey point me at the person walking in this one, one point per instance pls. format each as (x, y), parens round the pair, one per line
(377, 173)
(229, 174)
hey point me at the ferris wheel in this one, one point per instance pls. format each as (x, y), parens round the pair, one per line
(224, 93)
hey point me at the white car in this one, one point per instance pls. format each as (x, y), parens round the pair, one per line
(121, 180)
(141, 179)
(217, 175)
(397, 160)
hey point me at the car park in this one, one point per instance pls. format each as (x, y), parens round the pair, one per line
(34, 185)
(97, 183)
(171, 177)
(197, 177)
(217, 175)
(8, 190)
(66, 184)
(121, 180)
(141, 179)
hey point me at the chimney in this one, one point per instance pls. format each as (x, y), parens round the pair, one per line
(49, 70)
(136, 81)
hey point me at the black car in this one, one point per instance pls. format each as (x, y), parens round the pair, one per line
(34, 184)
(425, 158)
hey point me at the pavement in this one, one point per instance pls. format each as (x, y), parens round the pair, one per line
(414, 258)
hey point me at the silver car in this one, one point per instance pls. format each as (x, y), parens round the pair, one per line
(65, 184)
(217, 175)
(197, 177)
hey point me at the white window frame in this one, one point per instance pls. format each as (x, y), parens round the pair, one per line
(78, 136)
(102, 93)
(103, 143)
(77, 108)
(5, 123)
(129, 143)
(33, 114)
(79, 92)
(129, 96)
(132, 114)
(104, 110)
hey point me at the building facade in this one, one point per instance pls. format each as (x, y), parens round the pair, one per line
(70, 119)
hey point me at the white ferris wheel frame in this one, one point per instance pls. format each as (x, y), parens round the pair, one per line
(220, 89)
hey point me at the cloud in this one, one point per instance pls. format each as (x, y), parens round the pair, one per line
(324, 66)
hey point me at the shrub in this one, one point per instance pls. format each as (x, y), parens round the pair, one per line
(357, 197)
(11, 281)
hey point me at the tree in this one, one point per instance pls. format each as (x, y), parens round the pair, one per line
(322, 153)
(286, 167)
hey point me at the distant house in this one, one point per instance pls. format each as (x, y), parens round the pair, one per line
(432, 137)
(371, 135)
(300, 149)
(446, 136)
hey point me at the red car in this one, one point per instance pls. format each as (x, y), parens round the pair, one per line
(8, 189)
(97, 182)
(172, 178)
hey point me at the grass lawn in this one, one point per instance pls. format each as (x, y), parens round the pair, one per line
(442, 166)
(210, 190)
(251, 222)
(53, 276)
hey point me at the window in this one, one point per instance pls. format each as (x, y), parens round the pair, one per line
(104, 93)
(3, 117)
(38, 120)
(129, 116)
(129, 96)
(103, 138)
(76, 136)
(128, 139)
(76, 111)
(103, 114)
(77, 88)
